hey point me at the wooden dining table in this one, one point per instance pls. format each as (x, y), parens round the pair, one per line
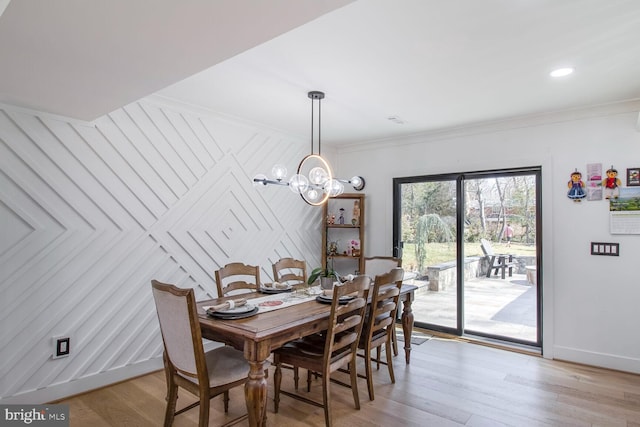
(257, 336)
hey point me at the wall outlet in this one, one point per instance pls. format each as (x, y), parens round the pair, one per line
(61, 346)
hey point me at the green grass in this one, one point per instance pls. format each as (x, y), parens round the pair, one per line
(443, 252)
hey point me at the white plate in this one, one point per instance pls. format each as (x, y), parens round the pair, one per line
(330, 298)
(238, 310)
(275, 290)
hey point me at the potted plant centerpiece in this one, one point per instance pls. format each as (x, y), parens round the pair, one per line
(327, 275)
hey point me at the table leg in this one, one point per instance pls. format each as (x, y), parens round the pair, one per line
(255, 389)
(407, 324)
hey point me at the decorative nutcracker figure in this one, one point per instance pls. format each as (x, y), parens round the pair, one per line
(611, 184)
(356, 213)
(576, 187)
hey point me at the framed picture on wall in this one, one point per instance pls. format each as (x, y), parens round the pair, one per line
(633, 177)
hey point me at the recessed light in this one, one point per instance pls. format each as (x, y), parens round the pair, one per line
(561, 72)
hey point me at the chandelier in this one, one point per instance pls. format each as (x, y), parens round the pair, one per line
(314, 180)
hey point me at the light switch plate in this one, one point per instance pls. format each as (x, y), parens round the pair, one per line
(603, 248)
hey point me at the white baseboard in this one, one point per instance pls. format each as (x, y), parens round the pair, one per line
(61, 391)
(602, 360)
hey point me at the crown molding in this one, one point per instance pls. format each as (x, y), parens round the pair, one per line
(520, 122)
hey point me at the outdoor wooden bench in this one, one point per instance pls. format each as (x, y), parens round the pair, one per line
(497, 261)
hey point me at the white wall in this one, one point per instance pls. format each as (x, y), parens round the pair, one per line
(590, 302)
(91, 212)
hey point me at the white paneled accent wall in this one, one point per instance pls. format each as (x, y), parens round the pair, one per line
(91, 212)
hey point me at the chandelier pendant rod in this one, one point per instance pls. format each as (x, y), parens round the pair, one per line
(312, 120)
(319, 125)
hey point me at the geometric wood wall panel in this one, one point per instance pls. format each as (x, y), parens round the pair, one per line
(14, 227)
(91, 212)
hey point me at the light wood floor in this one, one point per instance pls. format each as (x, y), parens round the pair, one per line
(449, 383)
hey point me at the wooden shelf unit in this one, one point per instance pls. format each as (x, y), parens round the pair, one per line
(343, 234)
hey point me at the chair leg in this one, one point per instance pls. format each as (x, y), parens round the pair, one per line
(394, 340)
(296, 376)
(326, 381)
(204, 410)
(277, 380)
(378, 358)
(368, 373)
(308, 380)
(390, 363)
(354, 381)
(172, 397)
(225, 399)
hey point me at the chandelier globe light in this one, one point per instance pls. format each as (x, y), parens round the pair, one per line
(313, 180)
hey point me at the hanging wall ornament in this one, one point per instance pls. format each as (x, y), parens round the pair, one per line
(611, 184)
(576, 187)
(594, 181)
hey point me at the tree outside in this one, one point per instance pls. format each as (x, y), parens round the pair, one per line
(429, 218)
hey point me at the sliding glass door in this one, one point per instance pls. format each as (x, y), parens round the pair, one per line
(458, 235)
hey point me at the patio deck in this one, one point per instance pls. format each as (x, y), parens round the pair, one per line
(504, 307)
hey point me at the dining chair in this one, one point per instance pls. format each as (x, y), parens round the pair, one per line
(237, 277)
(337, 350)
(291, 271)
(379, 325)
(206, 375)
(294, 273)
(376, 265)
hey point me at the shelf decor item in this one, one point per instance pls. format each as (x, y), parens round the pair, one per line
(349, 257)
(314, 180)
(355, 247)
(356, 213)
(326, 275)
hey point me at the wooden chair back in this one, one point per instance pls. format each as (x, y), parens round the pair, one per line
(180, 330)
(487, 249)
(346, 320)
(236, 277)
(290, 271)
(384, 293)
(376, 265)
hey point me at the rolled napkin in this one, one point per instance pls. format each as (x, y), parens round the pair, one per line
(275, 285)
(227, 305)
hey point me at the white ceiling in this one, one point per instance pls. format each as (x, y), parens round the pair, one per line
(86, 58)
(434, 63)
